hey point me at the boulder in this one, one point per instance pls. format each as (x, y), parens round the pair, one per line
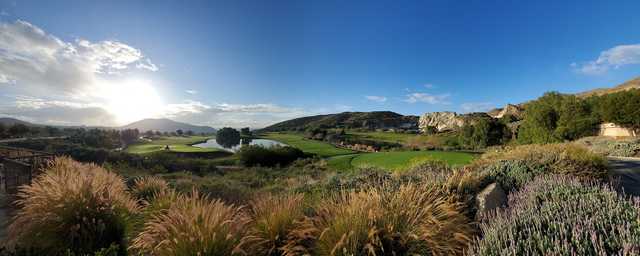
(442, 121)
(490, 198)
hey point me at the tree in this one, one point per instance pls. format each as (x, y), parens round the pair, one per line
(2, 130)
(189, 133)
(179, 132)
(228, 137)
(148, 133)
(129, 136)
(18, 130)
(245, 131)
(52, 131)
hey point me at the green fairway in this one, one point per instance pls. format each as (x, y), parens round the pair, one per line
(397, 160)
(176, 144)
(319, 148)
(392, 137)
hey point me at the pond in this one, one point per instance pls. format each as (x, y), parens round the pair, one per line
(260, 142)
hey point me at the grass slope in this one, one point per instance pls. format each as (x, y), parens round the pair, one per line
(319, 148)
(397, 160)
(176, 144)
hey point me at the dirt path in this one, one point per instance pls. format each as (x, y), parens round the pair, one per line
(628, 171)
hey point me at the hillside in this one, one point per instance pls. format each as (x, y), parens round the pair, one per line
(166, 125)
(628, 85)
(7, 121)
(371, 120)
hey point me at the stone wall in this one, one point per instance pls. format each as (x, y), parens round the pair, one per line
(614, 130)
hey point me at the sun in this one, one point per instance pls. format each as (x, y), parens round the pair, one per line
(132, 100)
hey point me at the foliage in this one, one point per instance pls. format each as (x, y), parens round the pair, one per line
(620, 108)
(129, 136)
(515, 165)
(273, 217)
(81, 207)
(629, 147)
(483, 133)
(564, 216)
(228, 137)
(255, 155)
(148, 187)
(194, 225)
(383, 220)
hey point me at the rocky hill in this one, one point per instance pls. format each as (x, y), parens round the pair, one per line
(628, 85)
(166, 125)
(368, 120)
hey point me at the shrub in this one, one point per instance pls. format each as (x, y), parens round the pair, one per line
(273, 219)
(567, 158)
(194, 225)
(148, 187)
(629, 147)
(565, 216)
(80, 207)
(383, 220)
(255, 155)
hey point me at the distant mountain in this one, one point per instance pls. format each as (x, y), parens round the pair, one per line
(628, 85)
(166, 125)
(7, 121)
(370, 120)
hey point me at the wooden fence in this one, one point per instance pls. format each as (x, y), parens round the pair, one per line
(18, 166)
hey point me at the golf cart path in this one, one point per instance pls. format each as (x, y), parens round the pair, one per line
(627, 169)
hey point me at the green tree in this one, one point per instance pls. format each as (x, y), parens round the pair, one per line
(228, 137)
(2, 130)
(179, 132)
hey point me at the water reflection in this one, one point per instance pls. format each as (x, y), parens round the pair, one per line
(213, 143)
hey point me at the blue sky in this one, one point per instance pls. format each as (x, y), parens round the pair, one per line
(257, 62)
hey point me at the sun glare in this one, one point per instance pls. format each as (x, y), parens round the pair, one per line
(132, 100)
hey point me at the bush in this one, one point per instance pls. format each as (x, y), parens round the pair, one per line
(605, 146)
(520, 161)
(273, 218)
(564, 216)
(383, 220)
(194, 225)
(255, 155)
(148, 187)
(80, 207)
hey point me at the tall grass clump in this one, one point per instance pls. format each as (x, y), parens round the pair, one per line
(194, 225)
(563, 216)
(72, 206)
(273, 217)
(384, 220)
(148, 187)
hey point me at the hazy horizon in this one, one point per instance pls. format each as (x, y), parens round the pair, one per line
(255, 63)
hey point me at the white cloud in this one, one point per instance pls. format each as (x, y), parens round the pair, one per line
(428, 86)
(376, 98)
(233, 115)
(428, 98)
(43, 111)
(191, 91)
(615, 57)
(41, 63)
(476, 107)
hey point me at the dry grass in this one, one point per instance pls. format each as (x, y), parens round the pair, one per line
(194, 225)
(81, 207)
(148, 187)
(273, 218)
(383, 220)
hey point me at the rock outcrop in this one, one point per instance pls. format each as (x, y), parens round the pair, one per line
(510, 109)
(490, 198)
(441, 121)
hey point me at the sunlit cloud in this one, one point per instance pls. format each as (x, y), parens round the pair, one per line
(613, 58)
(191, 91)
